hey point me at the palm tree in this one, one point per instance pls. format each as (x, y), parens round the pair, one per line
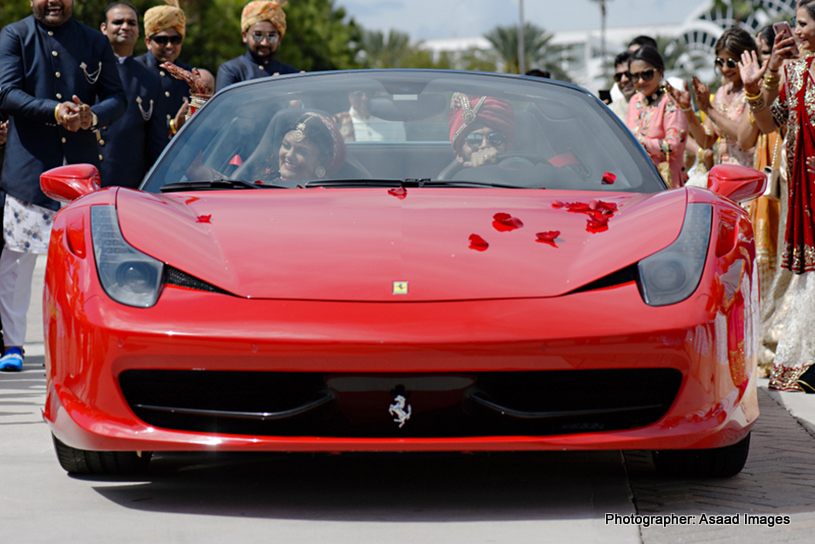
(741, 8)
(537, 49)
(385, 53)
(602, 33)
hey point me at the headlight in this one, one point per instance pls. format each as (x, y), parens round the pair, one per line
(127, 275)
(671, 275)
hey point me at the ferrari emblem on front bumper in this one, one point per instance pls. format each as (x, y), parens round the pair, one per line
(400, 288)
(398, 409)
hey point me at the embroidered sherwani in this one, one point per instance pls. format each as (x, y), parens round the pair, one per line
(131, 145)
(247, 67)
(40, 67)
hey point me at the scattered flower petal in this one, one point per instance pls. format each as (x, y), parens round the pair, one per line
(548, 236)
(557, 204)
(204, 218)
(398, 192)
(597, 221)
(577, 206)
(478, 243)
(608, 178)
(236, 160)
(505, 222)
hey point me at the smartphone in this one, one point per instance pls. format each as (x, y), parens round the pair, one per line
(605, 95)
(784, 29)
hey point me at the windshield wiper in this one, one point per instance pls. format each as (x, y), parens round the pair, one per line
(217, 184)
(410, 182)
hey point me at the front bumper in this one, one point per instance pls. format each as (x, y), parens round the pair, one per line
(89, 346)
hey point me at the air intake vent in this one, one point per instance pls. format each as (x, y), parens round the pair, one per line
(625, 275)
(173, 276)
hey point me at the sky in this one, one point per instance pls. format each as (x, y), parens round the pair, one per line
(439, 19)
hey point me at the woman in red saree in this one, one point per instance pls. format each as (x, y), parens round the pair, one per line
(792, 105)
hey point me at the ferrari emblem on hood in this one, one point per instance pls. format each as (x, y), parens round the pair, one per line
(398, 409)
(400, 288)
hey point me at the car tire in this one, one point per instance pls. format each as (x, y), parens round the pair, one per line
(710, 463)
(100, 462)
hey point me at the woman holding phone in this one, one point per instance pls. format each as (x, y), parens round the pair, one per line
(791, 106)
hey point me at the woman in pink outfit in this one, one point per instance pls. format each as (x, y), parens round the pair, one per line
(654, 117)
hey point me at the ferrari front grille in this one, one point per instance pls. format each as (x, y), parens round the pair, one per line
(372, 405)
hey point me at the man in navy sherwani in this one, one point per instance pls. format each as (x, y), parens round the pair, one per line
(131, 145)
(263, 25)
(164, 31)
(58, 82)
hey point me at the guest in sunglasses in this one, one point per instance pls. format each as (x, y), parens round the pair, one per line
(654, 117)
(728, 109)
(624, 85)
(263, 25)
(164, 31)
(481, 128)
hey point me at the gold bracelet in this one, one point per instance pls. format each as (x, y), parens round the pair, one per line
(754, 97)
(757, 105)
(56, 114)
(172, 126)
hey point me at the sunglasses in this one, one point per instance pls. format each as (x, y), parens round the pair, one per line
(645, 75)
(164, 40)
(619, 76)
(731, 63)
(475, 140)
(270, 37)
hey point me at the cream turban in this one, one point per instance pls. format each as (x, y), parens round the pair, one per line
(265, 10)
(161, 18)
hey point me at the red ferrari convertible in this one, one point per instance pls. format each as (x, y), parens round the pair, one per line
(402, 261)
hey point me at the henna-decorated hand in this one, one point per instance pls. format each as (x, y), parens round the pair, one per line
(197, 83)
(702, 94)
(751, 72)
(682, 97)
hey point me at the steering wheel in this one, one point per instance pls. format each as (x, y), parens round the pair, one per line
(500, 160)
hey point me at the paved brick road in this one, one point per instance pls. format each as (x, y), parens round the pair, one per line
(779, 478)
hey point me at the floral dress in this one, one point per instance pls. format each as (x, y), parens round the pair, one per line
(26, 227)
(733, 106)
(662, 129)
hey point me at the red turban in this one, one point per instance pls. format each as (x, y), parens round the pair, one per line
(492, 112)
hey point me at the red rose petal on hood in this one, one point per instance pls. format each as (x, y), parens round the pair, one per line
(597, 220)
(608, 178)
(548, 236)
(478, 243)
(577, 206)
(204, 218)
(557, 204)
(505, 222)
(398, 192)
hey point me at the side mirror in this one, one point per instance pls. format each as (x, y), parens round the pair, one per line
(737, 183)
(67, 183)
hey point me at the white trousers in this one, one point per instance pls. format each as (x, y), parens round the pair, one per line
(16, 274)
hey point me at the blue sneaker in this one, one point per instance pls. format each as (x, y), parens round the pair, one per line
(12, 360)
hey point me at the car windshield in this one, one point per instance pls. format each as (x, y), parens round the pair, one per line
(408, 128)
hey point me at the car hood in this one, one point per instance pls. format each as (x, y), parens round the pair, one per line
(354, 244)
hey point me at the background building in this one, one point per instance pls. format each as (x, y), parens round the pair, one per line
(687, 47)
